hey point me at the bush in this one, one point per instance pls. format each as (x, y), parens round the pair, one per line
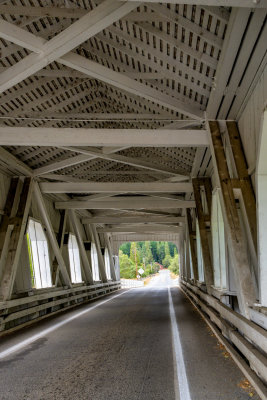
(174, 265)
(127, 267)
(166, 262)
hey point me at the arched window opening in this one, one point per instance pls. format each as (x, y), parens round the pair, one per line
(200, 262)
(218, 243)
(95, 266)
(107, 264)
(38, 255)
(74, 258)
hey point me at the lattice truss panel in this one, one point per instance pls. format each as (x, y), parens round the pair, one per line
(172, 48)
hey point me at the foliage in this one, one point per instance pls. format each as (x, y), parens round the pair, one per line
(174, 265)
(125, 248)
(127, 267)
(148, 256)
(166, 262)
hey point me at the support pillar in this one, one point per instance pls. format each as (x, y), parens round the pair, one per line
(101, 262)
(51, 235)
(14, 225)
(236, 243)
(243, 179)
(192, 236)
(85, 261)
(204, 220)
(60, 239)
(111, 262)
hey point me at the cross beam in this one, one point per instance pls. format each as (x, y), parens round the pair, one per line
(59, 48)
(114, 187)
(129, 220)
(140, 228)
(58, 137)
(217, 3)
(124, 203)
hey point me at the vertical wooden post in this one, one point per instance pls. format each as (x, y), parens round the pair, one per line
(244, 179)
(15, 225)
(101, 262)
(51, 235)
(243, 278)
(192, 235)
(60, 240)
(202, 219)
(111, 262)
(86, 263)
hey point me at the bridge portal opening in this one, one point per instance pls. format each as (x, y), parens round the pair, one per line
(143, 259)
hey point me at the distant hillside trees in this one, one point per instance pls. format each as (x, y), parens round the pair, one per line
(148, 256)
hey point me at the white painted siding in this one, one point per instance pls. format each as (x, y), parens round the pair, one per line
(250, 120)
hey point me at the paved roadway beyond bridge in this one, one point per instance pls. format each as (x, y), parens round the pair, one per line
(141, 344)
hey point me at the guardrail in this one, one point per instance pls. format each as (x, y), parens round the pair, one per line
(20, 312)
(249, 338)
(127, 283)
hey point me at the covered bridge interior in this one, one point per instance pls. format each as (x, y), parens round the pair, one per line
(131, 120)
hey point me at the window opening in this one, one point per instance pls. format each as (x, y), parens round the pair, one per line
(74, 258)
(38, 255)
(95, 266)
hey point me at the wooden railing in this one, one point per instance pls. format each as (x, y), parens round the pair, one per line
(241, 333)
(23, 311)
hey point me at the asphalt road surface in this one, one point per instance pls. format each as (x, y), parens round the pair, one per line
(141, 344)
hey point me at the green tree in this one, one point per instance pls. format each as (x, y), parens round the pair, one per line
(166, 262)
(172, 248)
(160, 251)
(153, 246)
(127, 267)
(125, 248)
(134, 253)
(174, 265)
(166, 249)
(148, 253)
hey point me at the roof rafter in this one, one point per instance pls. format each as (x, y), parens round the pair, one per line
(48, 51)
(135, 162)
(58, 137)
(133, 219)
(114, 187)
(217, 3)
(121, 202)
(56, 48)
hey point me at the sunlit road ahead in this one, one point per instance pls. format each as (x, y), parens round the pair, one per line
(121, 348)
(162, 279)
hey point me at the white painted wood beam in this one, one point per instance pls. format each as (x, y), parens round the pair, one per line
(20, 36)
(114, 187)
(68, 163)
(244, 55)
(85, 116)
(145, 228)
(58, 137)
(125, 203)
(217, 3)
(110, 254)
(101, 262)
(135, 162)
(13, 164)
(123, 82)
(89, 25)
(56, 49)
(131, 219)
(54, 12)
(85, 261)
(51, 234)
(234, 35)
